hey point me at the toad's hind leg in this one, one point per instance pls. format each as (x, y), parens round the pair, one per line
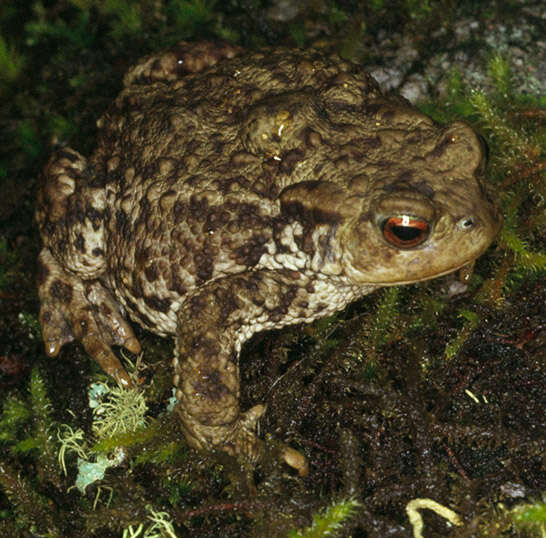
(212, 326)
(74, 304)
(70, 213)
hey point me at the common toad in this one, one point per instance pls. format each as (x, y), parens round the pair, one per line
(233, 192)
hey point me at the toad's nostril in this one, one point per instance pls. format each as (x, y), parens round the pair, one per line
(466, 223)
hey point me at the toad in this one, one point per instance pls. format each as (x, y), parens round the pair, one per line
(231, 192)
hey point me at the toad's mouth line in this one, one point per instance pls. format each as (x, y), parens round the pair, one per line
(466, 266)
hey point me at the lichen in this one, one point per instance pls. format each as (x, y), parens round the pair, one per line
(116, 410)
(161, 526)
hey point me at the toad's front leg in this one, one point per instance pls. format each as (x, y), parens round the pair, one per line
(213, 325)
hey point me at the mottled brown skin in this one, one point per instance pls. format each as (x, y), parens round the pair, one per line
(232, 192)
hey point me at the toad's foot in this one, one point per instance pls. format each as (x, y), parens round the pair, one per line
(239, 439)
(73, 309)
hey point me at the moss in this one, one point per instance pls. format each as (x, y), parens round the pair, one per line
(28, 138)
(419, 9)
(385, 319)
(14, 414)
(500, 72)
(12, 63)
(27, 425)
(330, 521)
(128, 16)
(32, 510)
(192, 15)
(524, 519)
(170, 452)
(471, 321)
(76, 30)
(530, 516)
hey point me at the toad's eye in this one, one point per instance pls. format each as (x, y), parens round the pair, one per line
(405, 231)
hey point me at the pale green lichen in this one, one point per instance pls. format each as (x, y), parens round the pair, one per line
(91, 471)
(416, 520)
(71, 441)
(161, 526)
(120, 411)
(117, 411)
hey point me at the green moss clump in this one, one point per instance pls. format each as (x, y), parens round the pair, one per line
(31, 509)
(329, 521)
(12, 62)
(192, 14)
(386, 317)
(27, 425)
(15, 413)
(521, 167)
(526, 519)
(471, 321)
(531, 517)
(77, 32)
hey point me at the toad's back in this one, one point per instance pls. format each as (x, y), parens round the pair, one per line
(200, 163)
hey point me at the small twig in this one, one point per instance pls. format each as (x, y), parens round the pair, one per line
(456, 464)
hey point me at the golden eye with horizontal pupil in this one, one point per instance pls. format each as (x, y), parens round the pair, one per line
(405, 231)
